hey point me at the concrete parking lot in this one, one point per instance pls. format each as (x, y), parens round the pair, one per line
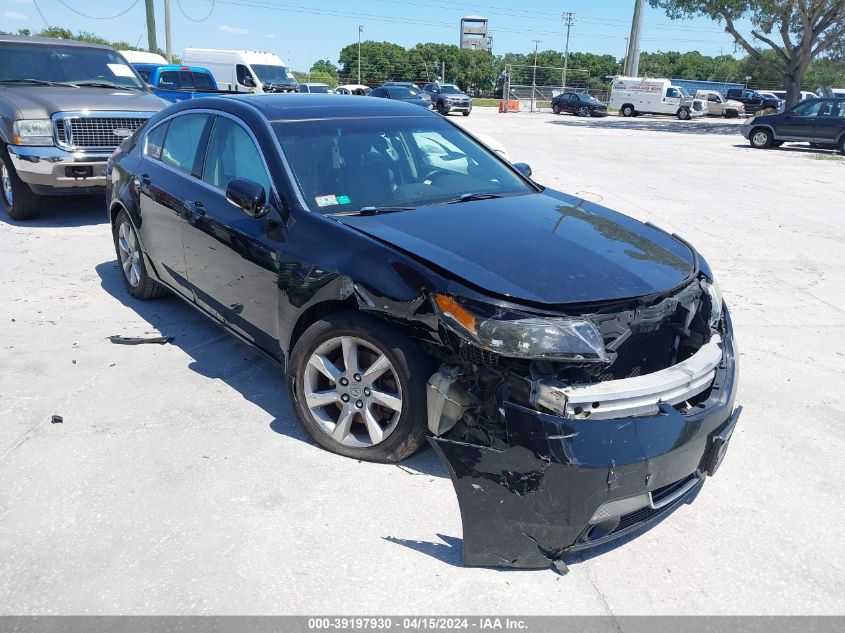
(179, 481)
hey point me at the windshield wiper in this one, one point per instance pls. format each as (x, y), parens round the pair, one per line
(468, 197)
(374, 210)
(104, 84)
(36, 82)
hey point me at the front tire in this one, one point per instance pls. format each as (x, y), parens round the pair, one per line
(16, 197)
(130, 259)
(684, 114)
(359, 388)
(841, 145)
(760, 138)
(466, 112)
(583, 111)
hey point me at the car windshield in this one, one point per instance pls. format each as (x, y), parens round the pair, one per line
(684, 93)
(450, 90)
(401, 92)
(67, 64)
(590, 99)
(268, 74)
(346, 165)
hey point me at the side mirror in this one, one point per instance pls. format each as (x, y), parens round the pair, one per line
(523, 168)
(248, 195)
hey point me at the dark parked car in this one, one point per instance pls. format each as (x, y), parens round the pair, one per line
(752, 100)
(401, 93)
(448, 98)
(578, 104)
(573, 367)
(820, 122)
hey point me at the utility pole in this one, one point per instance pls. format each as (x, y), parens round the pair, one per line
(152, 45)
(632, 59)
(360, 30)
(168, 42)
(569, 19)
(534, 80)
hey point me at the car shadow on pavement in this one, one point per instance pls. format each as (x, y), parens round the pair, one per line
(652, 125)
(62, 211)
(821, 152)
(219, 355)
(215, 353)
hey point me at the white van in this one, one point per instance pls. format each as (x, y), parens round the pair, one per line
(645, 95)
(142, 57)
(243, 71)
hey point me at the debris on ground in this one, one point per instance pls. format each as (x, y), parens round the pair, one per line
(57, 419)
(134, 340)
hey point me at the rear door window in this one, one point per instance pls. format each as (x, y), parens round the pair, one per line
(182, 145)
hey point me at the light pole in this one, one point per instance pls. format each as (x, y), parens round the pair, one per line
(360, 30)
(569, 19)
(534, 80)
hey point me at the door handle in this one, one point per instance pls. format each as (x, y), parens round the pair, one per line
(196, 209)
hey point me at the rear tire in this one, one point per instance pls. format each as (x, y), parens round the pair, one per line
(760, 138)
(16, 197)
(556, 108)
(338, 416)
(627, 110)
(130, 259)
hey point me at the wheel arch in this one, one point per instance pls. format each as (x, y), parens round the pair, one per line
(766, 126)
(311, 315)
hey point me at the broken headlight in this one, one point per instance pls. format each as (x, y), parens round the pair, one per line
(715, 294)
(524, 336)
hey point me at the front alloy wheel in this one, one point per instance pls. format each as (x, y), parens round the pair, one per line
(761, 138)
(359, 387)
(16, 198)
(583, 111)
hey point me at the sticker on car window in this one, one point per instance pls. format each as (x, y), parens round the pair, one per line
(326, 201)
(343, 199)
(120, 70)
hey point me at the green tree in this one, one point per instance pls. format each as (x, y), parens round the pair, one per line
(325, 67)
(806, 29)
(380, 61)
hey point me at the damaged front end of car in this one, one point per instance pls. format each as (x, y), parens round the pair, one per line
(567, 430)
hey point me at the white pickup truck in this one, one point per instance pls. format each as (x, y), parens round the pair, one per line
(717, 105)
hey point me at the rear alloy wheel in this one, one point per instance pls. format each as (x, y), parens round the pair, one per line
(16, 197)
(583, 111)
(760, 138)
(130, 258)
(556, 108)
(359, 388)
(627, 110)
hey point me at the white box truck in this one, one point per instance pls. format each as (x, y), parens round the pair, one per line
(645, 95)
(243, 71)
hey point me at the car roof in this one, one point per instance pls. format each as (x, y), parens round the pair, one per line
(52, 41)
(304, 106)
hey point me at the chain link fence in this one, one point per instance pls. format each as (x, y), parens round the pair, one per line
(535, 86)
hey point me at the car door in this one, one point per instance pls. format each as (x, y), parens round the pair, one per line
(798, 123)
(568, 103)
(829, 122)
(671, 101)
(232, 258)
(170, 157)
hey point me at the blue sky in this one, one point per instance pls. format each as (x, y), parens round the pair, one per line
(301, 31)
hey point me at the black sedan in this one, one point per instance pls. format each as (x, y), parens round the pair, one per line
(573, 368)
(820, 122)
(402, 93)
(578, 104)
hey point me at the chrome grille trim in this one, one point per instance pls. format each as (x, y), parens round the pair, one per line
(94, 130)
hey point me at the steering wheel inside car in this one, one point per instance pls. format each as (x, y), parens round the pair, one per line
(434, 173)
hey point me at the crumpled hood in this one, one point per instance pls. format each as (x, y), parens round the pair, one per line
(545, 248)
(39, 102)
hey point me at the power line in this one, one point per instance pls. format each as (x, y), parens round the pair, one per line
(43, 19)
(182, 11)
(94, 17)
